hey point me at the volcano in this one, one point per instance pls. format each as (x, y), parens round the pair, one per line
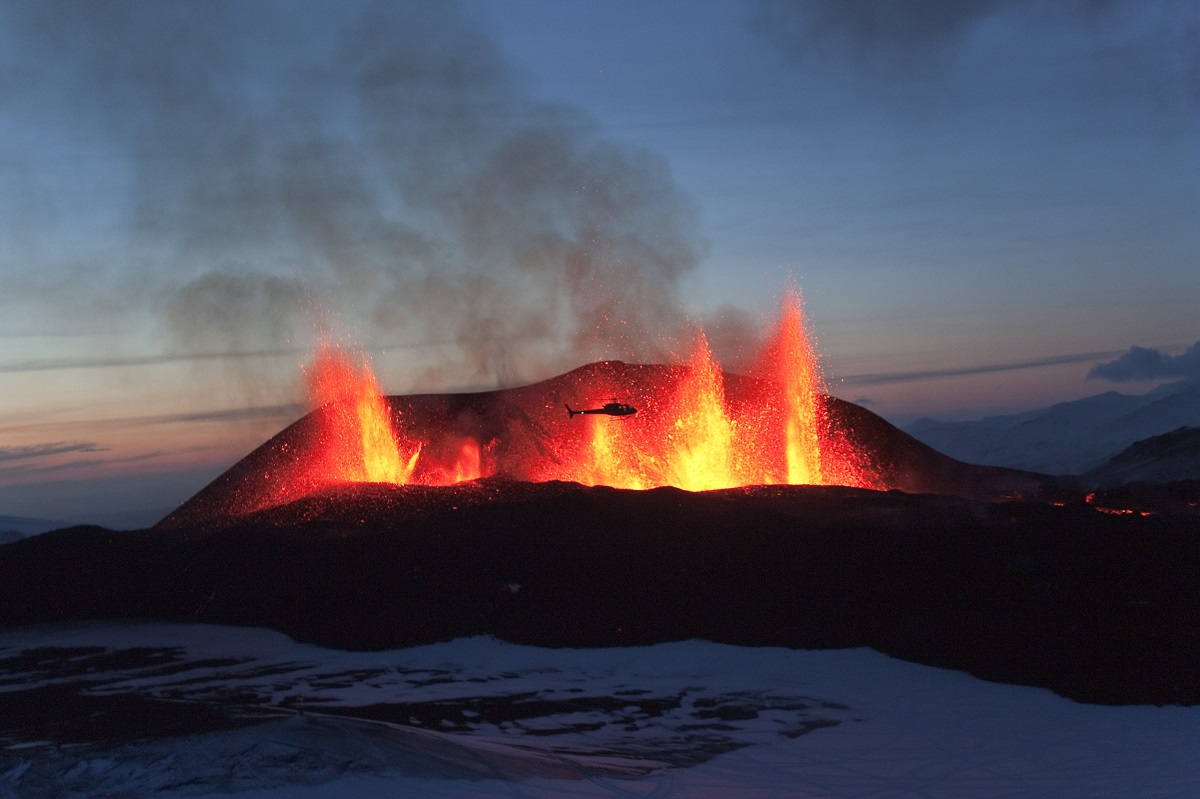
(524, 434)
(490, 513)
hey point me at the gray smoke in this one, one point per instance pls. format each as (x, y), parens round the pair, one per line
(383, 171)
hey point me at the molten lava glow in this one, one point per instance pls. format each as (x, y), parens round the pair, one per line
(467, 467)
(359, 440)
(794, 367)
(690, 443)
(452, 464)
(700, 446)
(687, 432)
(694, 440)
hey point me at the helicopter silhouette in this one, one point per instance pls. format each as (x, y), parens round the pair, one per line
(613, 408)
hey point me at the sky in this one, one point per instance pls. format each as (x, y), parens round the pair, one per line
(988, 206)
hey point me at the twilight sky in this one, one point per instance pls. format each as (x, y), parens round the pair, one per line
(987, 204)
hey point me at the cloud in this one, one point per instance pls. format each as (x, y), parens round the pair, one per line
(1145, 363)
(909, 29)
(903, 31)
(22, 472)
(924, 58)
(880, 378)
(107, 362)
(250, 414)
(53, 448)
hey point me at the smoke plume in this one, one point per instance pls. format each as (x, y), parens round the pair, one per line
(381, 169)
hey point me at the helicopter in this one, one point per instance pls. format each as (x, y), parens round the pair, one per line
(613, 408)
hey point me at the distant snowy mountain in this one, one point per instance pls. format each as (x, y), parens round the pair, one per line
(1067, 438)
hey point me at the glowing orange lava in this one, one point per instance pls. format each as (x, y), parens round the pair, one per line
(686, 433)
(694, 440)
(794, 369)
(689, 442)
(360, 442)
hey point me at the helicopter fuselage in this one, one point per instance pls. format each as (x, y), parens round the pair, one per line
(613, 408)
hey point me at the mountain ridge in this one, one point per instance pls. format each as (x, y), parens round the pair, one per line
(1067, 438)
(1171, 457)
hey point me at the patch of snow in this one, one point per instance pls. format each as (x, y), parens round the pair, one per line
(482, 718)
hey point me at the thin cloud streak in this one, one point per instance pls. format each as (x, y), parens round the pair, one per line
(247, 414)
(881, 378)
(24, 471)
(57, 364)
(43, 450)
(164, 358)
(283, 414)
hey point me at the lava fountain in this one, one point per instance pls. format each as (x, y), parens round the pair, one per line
(695, 439)
(359, 441)
(690, 431)
(794, 370)
(687, 439)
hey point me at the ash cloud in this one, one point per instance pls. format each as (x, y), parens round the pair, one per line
(1146, 363)
(381, 169)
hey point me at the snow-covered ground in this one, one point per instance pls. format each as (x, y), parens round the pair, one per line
(135, 710)
(1067, 438)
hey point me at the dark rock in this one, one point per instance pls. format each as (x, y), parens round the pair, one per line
(1170, 457)
(1096, 606)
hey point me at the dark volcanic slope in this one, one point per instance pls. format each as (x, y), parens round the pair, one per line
(1171, 457)
(526, 432)
(1097, 607)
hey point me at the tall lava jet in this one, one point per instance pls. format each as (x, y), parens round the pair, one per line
(360, 442)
